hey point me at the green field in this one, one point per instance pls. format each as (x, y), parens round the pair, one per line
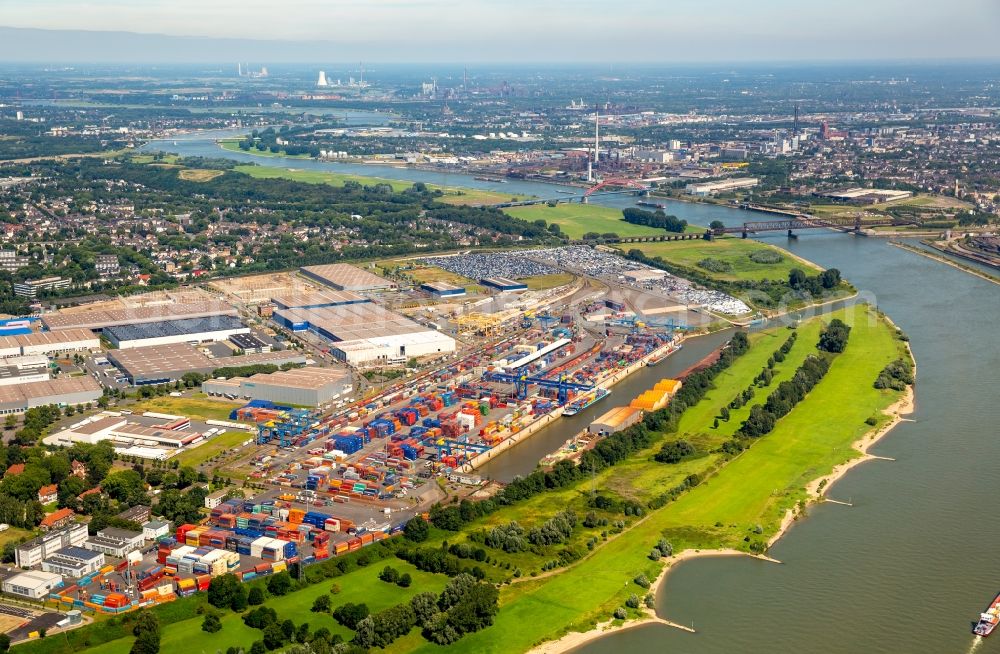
(452, 195)
(215, 446)
(733, 251)
(577, 219)
(542, 282)
(13, 535)
(360, 586)
(198, 407)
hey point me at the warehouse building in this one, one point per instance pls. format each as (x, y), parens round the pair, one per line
(865, 195)
(74, 562)
(615, 420)
(32, 553)
(115, 542)
(188, 330)
(248, 343)
(367, 333)
(345, 277)
(64, 391)
(703, 189)
(121, 432)
(24, 370)
(49, 343)
(101, 319)
(302, 386)
(33, 585)
(442, 289)
(317, 299)
(504, 284)
(275, 358)
(159, 364)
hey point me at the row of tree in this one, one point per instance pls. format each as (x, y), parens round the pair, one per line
(657, 219)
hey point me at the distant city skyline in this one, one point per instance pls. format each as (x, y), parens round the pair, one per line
(519, 31)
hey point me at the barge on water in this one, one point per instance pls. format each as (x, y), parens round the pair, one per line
(585, 400)
(988, 619)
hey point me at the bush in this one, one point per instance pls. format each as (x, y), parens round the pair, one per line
(416, 530)
(256, 596)
(632, 602)
(834, 337)
(674, 452)
(620, 613)
(405, 580)
(642, 581)
(350, 614)
(211, 624)
(897, 375)
(321, 604)
(389, 575)
(279, 584)
(765, 256)
(715, 265)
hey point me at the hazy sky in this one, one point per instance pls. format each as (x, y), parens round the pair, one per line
(556, 30)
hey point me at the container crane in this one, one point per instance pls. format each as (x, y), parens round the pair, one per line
(522, 381)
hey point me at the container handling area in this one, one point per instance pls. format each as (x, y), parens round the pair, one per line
(336, 461)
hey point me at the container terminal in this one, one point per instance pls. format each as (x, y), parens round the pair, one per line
(331, 475)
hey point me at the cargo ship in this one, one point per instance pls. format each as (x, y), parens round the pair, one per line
(656, 360)
(989, 619)
(585, 400)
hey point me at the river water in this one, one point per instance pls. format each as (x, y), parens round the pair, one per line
(914, 560)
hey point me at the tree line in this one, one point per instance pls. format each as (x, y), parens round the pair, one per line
(657, 219)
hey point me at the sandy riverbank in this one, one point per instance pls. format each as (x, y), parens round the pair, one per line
(816, 491)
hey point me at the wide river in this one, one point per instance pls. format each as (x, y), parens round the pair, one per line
(913, 561)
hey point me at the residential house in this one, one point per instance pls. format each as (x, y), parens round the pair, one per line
(48, 494)
(57, 519)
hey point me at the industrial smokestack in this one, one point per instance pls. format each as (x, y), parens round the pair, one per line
(597, 136)
(322, 79)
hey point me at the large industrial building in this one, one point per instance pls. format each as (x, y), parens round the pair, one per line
(118, 430)
(504, 284)
(303, 386)
(442, 289)
(317, 299)
(187, 330)
(64, 391)
(33, 585)
(101, 319)
(703, 189)
(24, 370)
(345, 277)
(367, 333)
(159, 364)
(864, 195)
(49, 343)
